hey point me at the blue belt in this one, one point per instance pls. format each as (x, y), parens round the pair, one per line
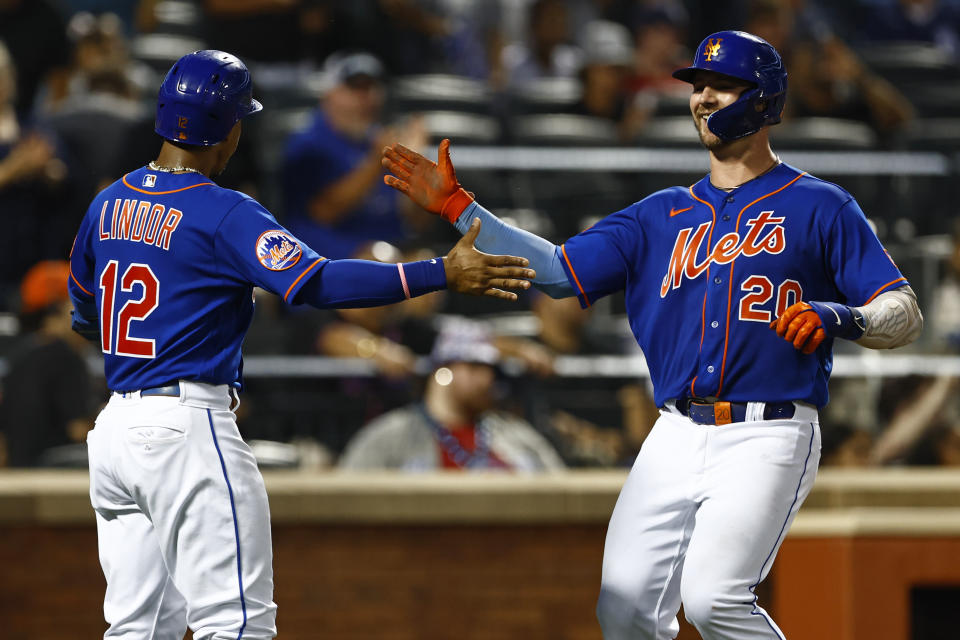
(718, 412)
(172, 390)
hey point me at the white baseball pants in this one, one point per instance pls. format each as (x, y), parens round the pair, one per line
(183, 523)
(699, 520)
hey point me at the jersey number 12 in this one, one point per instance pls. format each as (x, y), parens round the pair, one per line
(135, 274)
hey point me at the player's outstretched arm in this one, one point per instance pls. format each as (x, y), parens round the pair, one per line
(364, 283)
(434, 186)
(481, 274)
(890, 320)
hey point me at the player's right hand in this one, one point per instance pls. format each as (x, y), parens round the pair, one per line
(431, 185)
(481, 274)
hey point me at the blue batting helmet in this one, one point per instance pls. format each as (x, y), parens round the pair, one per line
(747, 57)
(203, 95)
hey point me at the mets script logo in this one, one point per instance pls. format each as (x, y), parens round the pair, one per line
(712, 48)
(277, 250)
(765, 233)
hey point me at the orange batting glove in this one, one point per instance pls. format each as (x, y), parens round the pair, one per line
(801, 325)
(432, 186)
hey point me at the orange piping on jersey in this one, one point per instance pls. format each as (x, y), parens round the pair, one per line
(703, 311)
(162, 193)
(726, 336)
(563, 248)
(300, 277)
(880, 290)
(78, 283)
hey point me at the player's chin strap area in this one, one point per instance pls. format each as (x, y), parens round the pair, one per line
(712, 411)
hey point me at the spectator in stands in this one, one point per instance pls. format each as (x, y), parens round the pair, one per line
(437, 36)
(388, 336)
(600, 426)
(607, 57)
(47, 391)
(548, 51)
(844, 445)
(30, 201)
(583, 12)
(827, 79)
(335, 198)
(659, 36)
(928, 404)
(929, 21)
(102, 115)
(255, 30)
(456, 425)
(35, 35)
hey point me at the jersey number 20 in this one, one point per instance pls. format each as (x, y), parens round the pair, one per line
(759, 291)
(135, 274)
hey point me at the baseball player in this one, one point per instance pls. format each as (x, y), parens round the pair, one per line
(736, 288)
(162, 275)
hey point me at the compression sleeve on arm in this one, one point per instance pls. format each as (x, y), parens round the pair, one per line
(500, 238)
(892, 319)
(364, 283)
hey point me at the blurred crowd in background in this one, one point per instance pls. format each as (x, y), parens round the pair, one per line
(339, 80)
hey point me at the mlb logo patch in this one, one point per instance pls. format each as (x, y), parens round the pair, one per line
(149, 180)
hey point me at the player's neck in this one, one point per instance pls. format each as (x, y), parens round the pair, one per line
(741, 161)
(173, 157)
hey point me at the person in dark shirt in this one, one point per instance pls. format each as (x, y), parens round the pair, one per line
(47, 390)
(334, 196)
(35, 34)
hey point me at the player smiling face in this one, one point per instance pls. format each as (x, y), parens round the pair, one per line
(711, 92)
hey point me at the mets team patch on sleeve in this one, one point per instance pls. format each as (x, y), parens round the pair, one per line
(278, 250)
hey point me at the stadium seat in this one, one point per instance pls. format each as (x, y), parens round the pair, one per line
(933, 99)
(823, 133)
(160, 50)
(670, 104)
(933, 134)
(180, 17)
(558, 129)
(440, 92)
(464, 128)
(901, 62)
(274, 455)
(672, 131)
(546, 95)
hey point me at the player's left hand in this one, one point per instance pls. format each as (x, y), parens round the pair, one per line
(800, 325)
(481, 274)
(808, 324)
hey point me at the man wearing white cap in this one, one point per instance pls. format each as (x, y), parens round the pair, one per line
(455, 426)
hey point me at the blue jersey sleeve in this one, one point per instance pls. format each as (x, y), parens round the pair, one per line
(81, 283)
(862, 269)
(252, 246)
(597, 260)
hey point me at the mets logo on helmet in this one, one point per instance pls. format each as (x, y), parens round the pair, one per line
(278, 250)
(712, 48)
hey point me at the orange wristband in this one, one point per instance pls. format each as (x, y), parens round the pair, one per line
(455, 204)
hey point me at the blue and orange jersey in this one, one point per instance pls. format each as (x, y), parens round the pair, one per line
(171, 260)
(705, 271)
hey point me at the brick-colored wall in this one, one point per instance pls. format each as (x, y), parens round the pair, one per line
(348, 582)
